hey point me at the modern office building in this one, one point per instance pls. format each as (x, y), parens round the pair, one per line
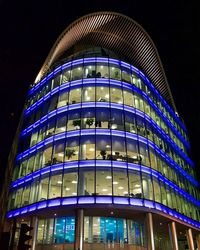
(102, 158)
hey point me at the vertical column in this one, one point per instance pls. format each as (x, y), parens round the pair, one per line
(81, 183)
(190, 239)
(79, 227)
(150, 234)
(34, 224)
(173, 235)
(13, 234)
(130, 241)
(90, 233)
(198, 241)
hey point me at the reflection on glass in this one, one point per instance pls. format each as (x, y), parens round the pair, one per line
(70, 181)
(113, 232)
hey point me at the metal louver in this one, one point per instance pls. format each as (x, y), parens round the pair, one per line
(120, 34)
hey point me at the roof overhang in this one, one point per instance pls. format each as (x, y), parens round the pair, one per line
(120, 34)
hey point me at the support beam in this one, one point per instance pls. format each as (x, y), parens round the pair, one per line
(190, 239)
(13, 234)
(173, 235)
(34, 224)
(150, 236)
(79, 227)
(198, 241)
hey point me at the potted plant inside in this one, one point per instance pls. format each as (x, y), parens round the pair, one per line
(77, 123)
(103, 154)
(89, 121)
(69, 153)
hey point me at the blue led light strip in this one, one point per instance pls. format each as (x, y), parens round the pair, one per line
(118, 63)
(108, 132)
(132, 202)
(107, 105)
(26, 180)
(115, 83)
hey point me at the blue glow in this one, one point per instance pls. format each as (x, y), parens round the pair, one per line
(117, 62)
(113, 133)
(86, 200)
(71, 164)
(57, 167)
(105, 200)
(103, 163)
(54, 202)
(121, 200)
(113, 105)
(33, 207)
(42, 204)
(136, 202)
(149, 204)
(124, 84)
(69, 201)
(24, 210)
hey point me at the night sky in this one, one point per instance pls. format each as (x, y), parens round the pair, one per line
(29, 29)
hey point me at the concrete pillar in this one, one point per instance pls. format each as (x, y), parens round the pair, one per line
(190, 239)
(34, 224)
(198, 241)
(79, 228)
(173, 235)
(13, 234)
(130, 241)
(90, 233)
(150, 234)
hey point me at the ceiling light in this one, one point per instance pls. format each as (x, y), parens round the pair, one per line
(108, 177)
(74, 182)
(104, 190)
(115, 182)
(120, 188)
(137, 186)
(114, 126)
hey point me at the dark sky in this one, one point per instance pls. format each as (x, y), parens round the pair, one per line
(29, 29)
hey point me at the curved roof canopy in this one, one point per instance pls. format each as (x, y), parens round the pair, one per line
(119, 34)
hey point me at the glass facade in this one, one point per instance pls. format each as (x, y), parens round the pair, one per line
(97, 131)
(101, 232)
(56, 231)
(135, 133)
